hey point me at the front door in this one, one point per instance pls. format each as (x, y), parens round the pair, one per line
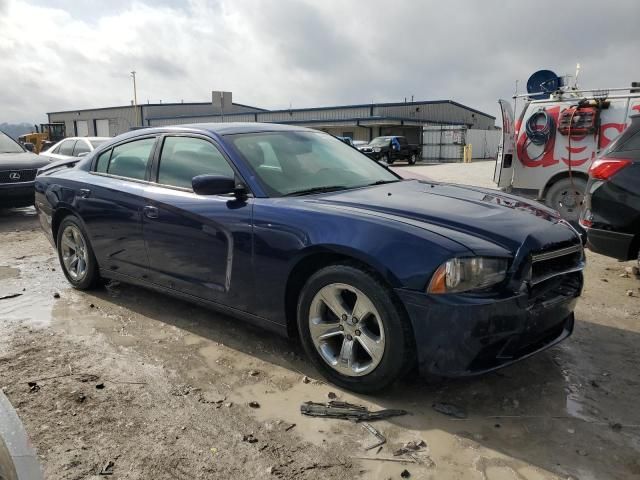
(198, 245)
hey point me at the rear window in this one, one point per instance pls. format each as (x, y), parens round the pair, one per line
(127, 160)
(627, 140)
(632, 144)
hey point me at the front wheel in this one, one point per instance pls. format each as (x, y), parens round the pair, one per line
(76, 256)
(355, 334)
(566, 196)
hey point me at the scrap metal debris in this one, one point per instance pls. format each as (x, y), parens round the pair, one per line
(410, 447)
(249, 438)
(449, 409)
(376, 433)
(33, 386)
(12, 295)
(107, 469)
(346, 411)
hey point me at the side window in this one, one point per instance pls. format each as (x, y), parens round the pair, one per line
(81, 147)
(66, 147)
(57, 149)
(103, 162)
(131, 159)
(183, 158)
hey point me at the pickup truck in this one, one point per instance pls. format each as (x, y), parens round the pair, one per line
(388, 149)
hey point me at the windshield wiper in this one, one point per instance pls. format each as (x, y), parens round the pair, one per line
(307, 191)
(381, 182)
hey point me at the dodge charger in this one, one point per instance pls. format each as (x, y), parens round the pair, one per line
(293, 230)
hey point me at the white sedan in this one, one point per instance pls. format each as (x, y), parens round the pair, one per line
(73, 147)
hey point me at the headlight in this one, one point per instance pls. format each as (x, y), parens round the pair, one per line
(377, 149)
(463, 274)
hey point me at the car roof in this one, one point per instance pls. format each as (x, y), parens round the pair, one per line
(86, 138)
(219, 129)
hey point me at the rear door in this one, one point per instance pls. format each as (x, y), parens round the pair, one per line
(503, 172)
(197, 244)
(111, 206)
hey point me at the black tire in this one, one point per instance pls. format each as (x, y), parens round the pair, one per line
(386, 158)
(399, 351)
(413, 158)
(92, 276)
(566, 197)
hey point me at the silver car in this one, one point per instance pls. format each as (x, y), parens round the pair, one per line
(73, 147)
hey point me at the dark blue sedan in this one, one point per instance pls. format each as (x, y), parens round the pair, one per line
(291, 229)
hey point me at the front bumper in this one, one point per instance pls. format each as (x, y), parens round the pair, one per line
(462, 335)
(17, 194)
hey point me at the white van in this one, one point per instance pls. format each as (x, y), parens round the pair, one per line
(546, 153)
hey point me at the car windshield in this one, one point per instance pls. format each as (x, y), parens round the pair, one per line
(380, 141)
(96, 143)
(292, 163)
(8, 145)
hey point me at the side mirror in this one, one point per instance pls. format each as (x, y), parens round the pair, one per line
(216, 185)
(29, 146)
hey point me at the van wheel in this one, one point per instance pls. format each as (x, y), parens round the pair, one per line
(566, 197)
(355, 335)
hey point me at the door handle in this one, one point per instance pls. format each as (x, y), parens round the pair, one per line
(84, 192)
(150, 211)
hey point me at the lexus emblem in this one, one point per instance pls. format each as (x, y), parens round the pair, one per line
(14, 176)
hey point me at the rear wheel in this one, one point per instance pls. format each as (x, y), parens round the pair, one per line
(76, 255)
(413, 159)
(351, 329)
(566, 197)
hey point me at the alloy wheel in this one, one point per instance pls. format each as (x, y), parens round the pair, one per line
(74, 253)
(346, 329)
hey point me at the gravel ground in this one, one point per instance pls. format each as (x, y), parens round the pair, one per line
(151, 387)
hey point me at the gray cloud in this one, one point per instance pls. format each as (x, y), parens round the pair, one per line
(304, 52)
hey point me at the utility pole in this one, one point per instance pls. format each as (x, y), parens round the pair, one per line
(135, 98)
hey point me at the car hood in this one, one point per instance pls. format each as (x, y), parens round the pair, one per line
(21, 161)
(462, 214)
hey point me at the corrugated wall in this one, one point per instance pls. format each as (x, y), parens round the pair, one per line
(190, 109)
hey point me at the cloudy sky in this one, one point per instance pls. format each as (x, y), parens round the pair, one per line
(66, 54)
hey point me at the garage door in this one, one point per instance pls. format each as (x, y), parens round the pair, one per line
(82, 128)
(102, 128)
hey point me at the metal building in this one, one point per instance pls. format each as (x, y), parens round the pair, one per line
(360, 122)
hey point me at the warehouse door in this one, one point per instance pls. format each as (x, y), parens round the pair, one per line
(82, 128)
(102, 128)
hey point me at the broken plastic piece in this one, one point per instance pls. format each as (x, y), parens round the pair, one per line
(346, 411)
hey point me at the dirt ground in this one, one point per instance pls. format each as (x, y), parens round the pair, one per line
(161, 389)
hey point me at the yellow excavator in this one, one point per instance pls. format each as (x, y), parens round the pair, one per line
(43, 137)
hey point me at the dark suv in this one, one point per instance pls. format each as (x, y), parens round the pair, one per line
(611, 212)
(18, 169)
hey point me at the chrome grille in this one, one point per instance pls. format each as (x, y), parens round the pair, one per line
(552, 263)
(16, 176)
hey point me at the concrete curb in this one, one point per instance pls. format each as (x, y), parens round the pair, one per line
(23, 460)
